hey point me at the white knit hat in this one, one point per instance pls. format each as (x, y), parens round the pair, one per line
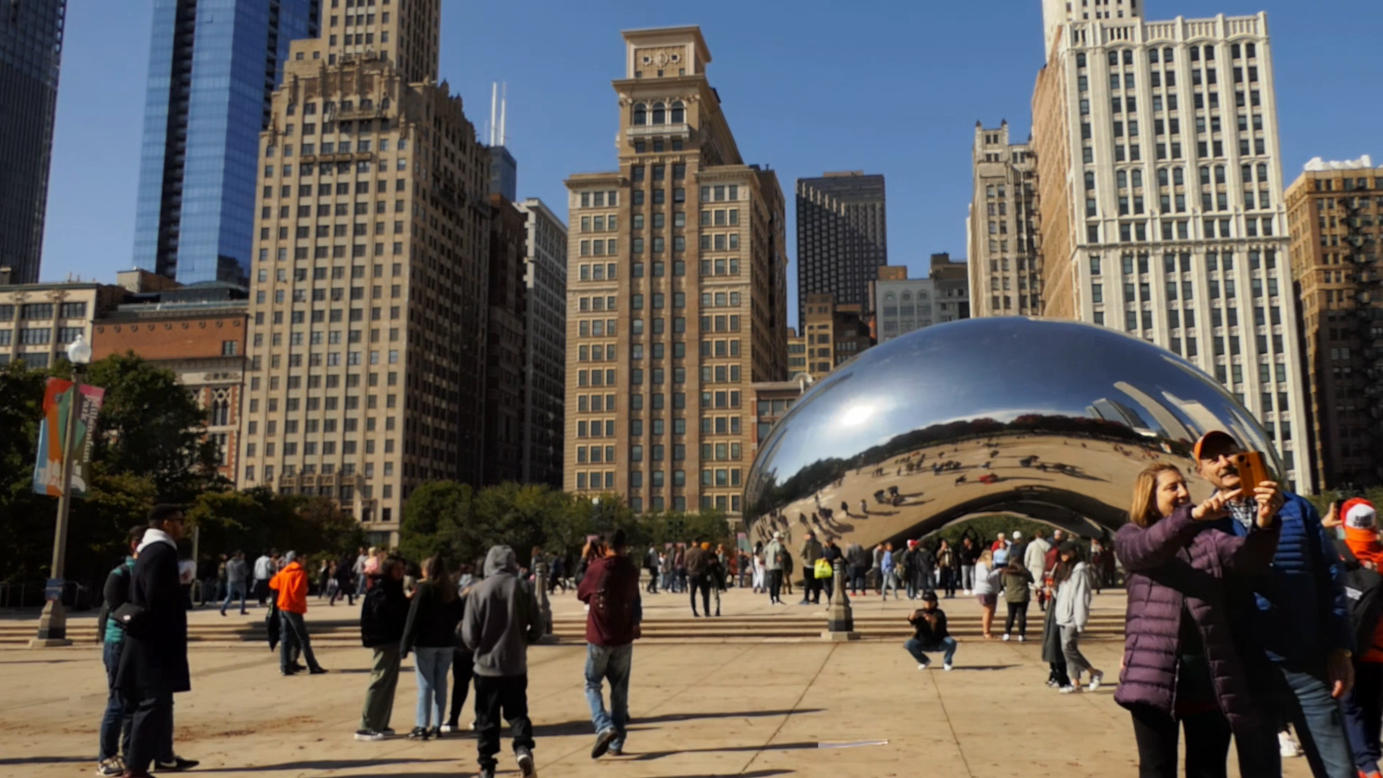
(1359, 514)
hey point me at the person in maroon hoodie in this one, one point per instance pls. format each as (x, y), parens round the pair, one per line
(611, 589)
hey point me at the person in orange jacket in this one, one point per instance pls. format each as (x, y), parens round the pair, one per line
(291, 584)
(1363, 705)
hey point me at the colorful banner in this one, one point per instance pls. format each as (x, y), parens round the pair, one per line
(57, 405)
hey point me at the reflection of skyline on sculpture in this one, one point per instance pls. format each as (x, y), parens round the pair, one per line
(1042, 418)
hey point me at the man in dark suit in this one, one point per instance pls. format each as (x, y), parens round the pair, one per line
(153, 666)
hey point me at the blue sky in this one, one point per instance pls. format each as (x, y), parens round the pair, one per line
(887, 86)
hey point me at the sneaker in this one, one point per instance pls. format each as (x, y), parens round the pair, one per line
(620, 752)
(388, 732)
(947, 667)
(447, 729)
(368, 736)
(525, 759)
(1096, 678)
(1022, 638)
(176, 766)
(1071, 689)
(603, 739)
(1005, 638)
(1052, 683)
(475, 724)
(924, 665)
(419, 733)
(436, 732)
(111, 767)
(317, 671)
(486, 772)
(1288, 746)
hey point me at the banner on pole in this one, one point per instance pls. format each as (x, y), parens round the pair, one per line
(57, 405)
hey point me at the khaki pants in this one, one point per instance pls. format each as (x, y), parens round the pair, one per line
(379, 697)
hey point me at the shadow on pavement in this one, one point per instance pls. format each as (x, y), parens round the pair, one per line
(45, 760)
(651, 755)
(583, 727)
(982, 668)
(323, 764)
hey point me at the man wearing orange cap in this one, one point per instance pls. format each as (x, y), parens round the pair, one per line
(1363, 706)
(1301, 624)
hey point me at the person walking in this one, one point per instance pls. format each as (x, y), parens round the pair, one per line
(1181, 668)
(611, 589)
(811, 587)
(760, 569)
(986, 580)
(153, 663)
(697, 564)
(1017, 595)
(265, 567)
(715, 576)
(1301, 623)
(966, 556)
(679, 572)
(930, 634)
(344, 575)
(876, 571)
(1072, 614)
(291, 584)
(1034, 561)
(889, 571)
(1362, 557)
(237, 574)
(462, 660)
(430, 632)
(383, 613)
(1057, 677)
(775, 555)
(501, 620)
(651, 564)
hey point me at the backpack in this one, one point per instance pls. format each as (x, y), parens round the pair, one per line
(1364, 591)
(120, 576)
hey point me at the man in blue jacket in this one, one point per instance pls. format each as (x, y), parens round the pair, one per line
(1302, 621)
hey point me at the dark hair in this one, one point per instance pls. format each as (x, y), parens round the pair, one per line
(616, 539)
(928, 596)
(163, 513)
(136, 534)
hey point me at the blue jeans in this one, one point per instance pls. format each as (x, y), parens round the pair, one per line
(890, 583)
(1319, 721)
(115, 724)
(919, 650)
(431, 665)
(231, 589)
(614, 664)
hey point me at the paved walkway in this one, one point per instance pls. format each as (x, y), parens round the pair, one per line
(797, 708)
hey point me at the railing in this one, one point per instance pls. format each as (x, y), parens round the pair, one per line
(32, 595)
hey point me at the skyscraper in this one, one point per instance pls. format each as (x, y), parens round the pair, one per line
(504, 169)
(1005, 279)
(1333, 214)
(213, 67)
(903, 304)
(676, 290)
(1160, 186)
(545, 344)
(842, 236)
(30, 53)
(370, 279)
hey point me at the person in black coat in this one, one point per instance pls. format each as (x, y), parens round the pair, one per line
(153, 665)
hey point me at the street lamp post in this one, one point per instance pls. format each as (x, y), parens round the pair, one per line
(52, 625)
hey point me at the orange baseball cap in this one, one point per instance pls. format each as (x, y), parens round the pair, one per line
(1209, 437)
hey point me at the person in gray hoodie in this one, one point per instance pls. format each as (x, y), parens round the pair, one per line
(501, 619)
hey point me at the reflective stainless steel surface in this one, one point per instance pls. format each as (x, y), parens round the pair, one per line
(1046, 419)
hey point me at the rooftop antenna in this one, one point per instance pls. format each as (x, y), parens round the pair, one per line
(503, 110)
(494, 98)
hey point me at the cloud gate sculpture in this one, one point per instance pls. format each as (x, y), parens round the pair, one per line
(1050, 420)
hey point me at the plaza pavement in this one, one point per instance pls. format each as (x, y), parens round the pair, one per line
(747, 707)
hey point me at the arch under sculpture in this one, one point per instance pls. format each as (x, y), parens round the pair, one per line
(1045, 419)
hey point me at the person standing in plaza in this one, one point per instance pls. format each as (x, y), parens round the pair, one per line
(611, 589)
(651, 564)
(115, 724)
(1017, 596)
(679, 569)
(947, 568)
(462, 660)
(153, 663)
(966, 556)
(760, 569)
(1362, 557)
(696, 563)
(986, 585)
(1182, 668)
(291, 584)
(889, 572)
(876, 571)
(1301, 624)
(830, 553)
(1073, 599)
(383, 613)
(1034, 560)
(430, 633)
(237, 576)
(858, 560)
(811, 587)
(501, 620)
(774, 556)
(930, 635)
(265, 567)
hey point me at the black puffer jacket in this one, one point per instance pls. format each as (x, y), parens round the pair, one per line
(383, 613)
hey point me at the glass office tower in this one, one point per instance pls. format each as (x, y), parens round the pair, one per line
(213, 66)
(30, 51)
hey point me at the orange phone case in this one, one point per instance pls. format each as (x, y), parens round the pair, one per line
(1253, 470)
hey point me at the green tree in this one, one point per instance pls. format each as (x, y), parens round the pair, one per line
(439, 517)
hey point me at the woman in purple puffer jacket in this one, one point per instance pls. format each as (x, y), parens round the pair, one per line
(1181, 665)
